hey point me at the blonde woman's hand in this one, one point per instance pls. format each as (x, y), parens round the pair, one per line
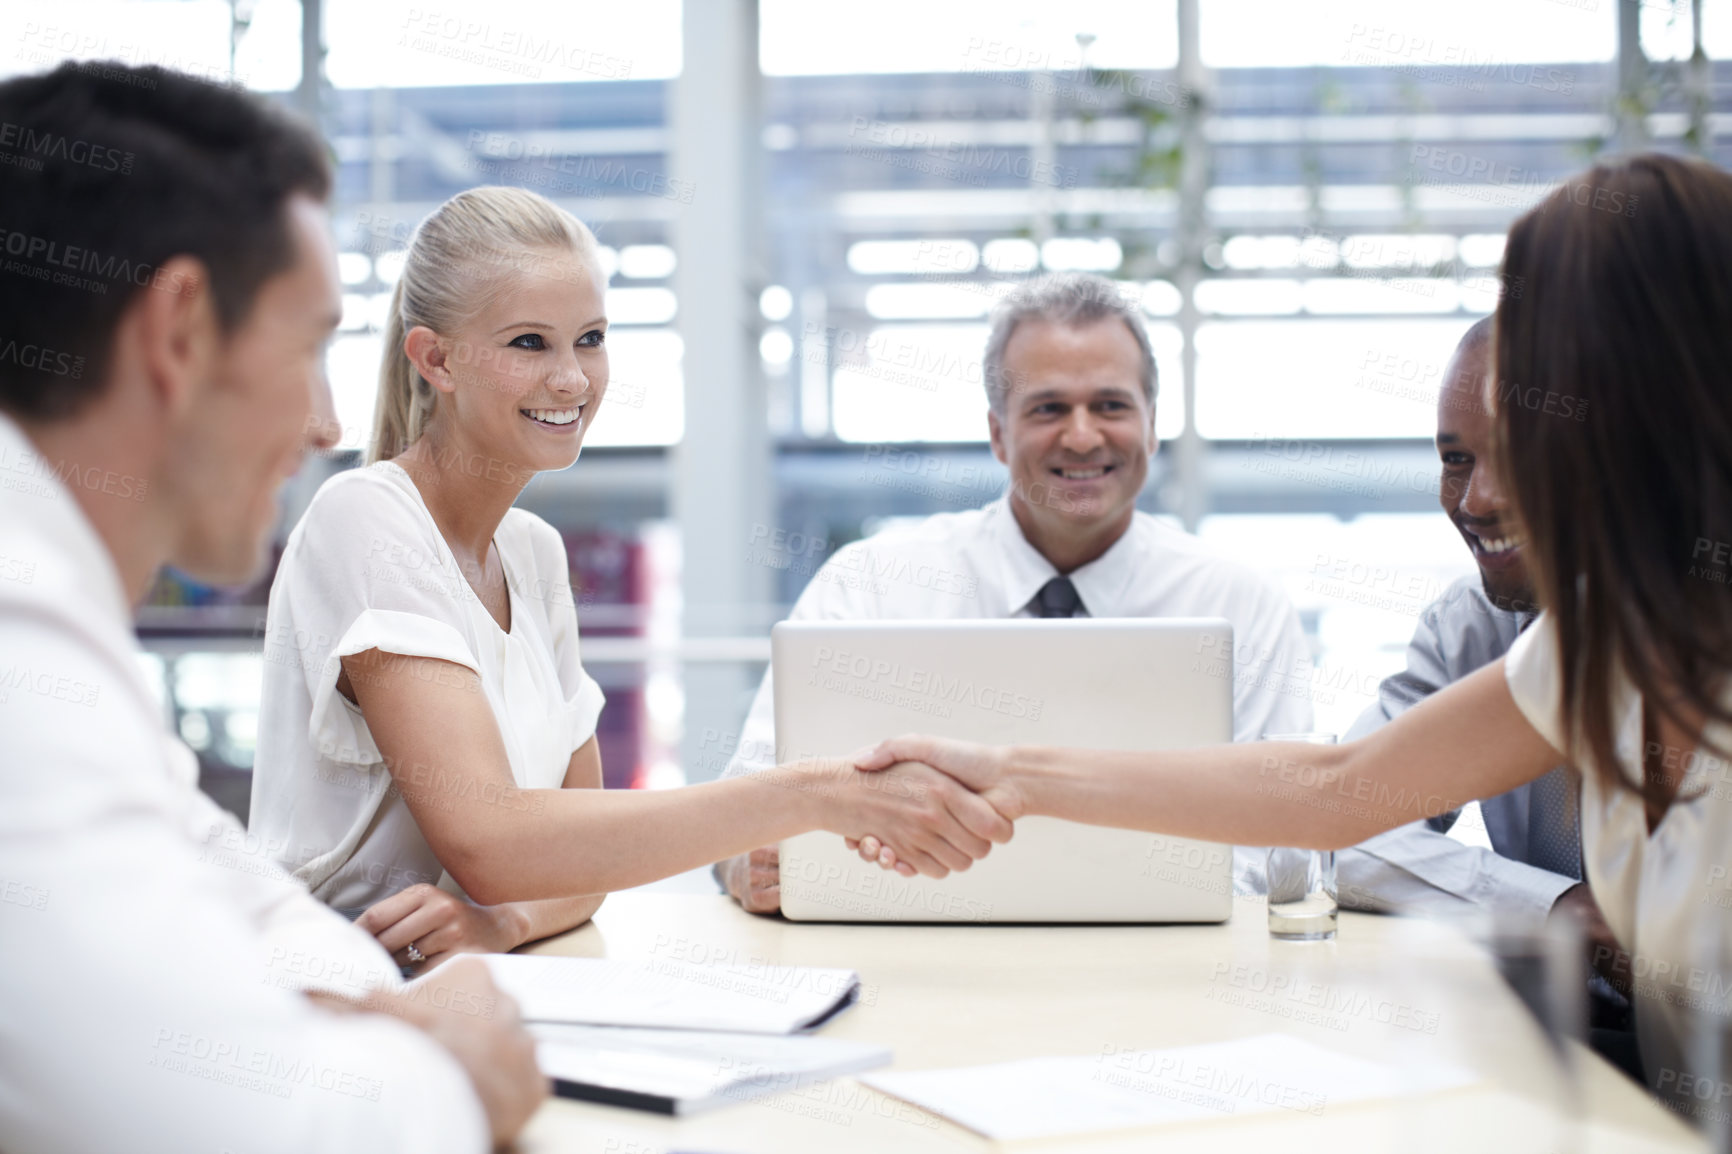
(936, 824)
(439, 925)
(984, 769)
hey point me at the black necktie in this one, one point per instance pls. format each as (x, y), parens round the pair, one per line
(1057, 598)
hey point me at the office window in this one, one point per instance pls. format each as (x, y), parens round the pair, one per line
(190, 37)
(499, 42)
(888, 36)
(1359, 587)
(930, 257)
(1487, 35)
(352, 367)
(646, 401)
(911, 383)
(218, 696)
(1321, 378)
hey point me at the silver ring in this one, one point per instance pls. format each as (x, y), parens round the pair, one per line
(416, 955)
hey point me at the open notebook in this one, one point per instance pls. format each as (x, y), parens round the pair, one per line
(684, 1071)
(673, 995)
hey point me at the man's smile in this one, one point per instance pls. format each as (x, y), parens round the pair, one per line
(1494, 551)
(1081, 472)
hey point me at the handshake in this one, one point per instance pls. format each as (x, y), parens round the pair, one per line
(917, 805)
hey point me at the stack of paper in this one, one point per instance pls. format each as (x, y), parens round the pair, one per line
(673, 995)
(1042, 1097)
(683, 1072)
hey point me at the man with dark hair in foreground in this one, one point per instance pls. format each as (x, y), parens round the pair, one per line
(167, 286)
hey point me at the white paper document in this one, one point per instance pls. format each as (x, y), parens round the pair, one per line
(673, 995)
(683, 1071)
(1042, 1097)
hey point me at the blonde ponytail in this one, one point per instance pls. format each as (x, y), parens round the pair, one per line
(456, 258)
(405, 399)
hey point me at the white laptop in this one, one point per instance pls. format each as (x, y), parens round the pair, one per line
(1099, 683)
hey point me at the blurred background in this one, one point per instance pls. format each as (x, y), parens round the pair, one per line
(808, 207)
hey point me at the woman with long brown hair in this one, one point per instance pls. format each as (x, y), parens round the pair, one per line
(1625, 305)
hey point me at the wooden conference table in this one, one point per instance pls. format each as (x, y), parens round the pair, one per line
(1398, 991)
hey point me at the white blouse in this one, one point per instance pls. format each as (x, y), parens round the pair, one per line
(367, 568)
(1664, 896)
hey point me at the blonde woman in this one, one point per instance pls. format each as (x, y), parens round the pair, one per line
(427, 757)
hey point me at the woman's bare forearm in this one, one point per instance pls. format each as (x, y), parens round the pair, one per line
(442, 746)
(1465, 742)
(1267, 793)
(545, 843)
(542, 919)
(537, 920)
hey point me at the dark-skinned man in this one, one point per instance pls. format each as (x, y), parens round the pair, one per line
(1535, 872)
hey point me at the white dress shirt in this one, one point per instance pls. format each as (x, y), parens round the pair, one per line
(1416, 869)
(367, 568)
(1665, 895)
(152, 957)
(979, 564)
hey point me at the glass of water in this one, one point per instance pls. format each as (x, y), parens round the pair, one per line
(1302, 904)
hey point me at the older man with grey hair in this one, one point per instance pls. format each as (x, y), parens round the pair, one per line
(1071, 385)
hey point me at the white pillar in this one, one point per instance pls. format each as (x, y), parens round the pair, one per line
(1630, 131)
(1188, 479)
(309, 94)
(721, 470)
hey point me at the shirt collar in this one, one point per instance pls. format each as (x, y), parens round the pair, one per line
(1104, 582)
(1101, 583)
(44, 501)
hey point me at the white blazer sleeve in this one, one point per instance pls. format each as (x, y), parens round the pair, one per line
(141, 1013)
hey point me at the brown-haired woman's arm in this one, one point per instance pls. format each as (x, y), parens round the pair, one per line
(1467, 741)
